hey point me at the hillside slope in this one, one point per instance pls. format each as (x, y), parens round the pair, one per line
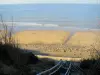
(41, 36)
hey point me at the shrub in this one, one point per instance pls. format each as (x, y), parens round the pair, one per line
(10, 51)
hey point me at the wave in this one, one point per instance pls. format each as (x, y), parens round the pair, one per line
(29, 24)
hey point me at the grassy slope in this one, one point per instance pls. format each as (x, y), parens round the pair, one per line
(9, 67)
(50, 37)
(41, 36)
(54, 36)
(83, 38)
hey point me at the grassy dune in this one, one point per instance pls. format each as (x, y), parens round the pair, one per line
(53, 42)
(84, 38)
(41, 36)
(56, 36)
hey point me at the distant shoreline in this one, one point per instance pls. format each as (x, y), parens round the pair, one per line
(22, 26)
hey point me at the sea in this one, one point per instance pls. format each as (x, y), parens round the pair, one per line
(76, 17)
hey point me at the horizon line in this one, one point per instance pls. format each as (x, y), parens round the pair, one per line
(48, 3)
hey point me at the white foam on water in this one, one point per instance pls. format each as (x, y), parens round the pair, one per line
(33, 25)
(29, 24)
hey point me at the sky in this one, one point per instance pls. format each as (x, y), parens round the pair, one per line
(49, 1)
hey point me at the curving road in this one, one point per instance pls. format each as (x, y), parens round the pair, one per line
(64, 68)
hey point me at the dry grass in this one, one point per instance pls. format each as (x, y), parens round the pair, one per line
(51, 42)
(84, 38)
(41, 36)
(59, 50)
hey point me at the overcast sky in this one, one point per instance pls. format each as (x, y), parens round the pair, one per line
(49, 1)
